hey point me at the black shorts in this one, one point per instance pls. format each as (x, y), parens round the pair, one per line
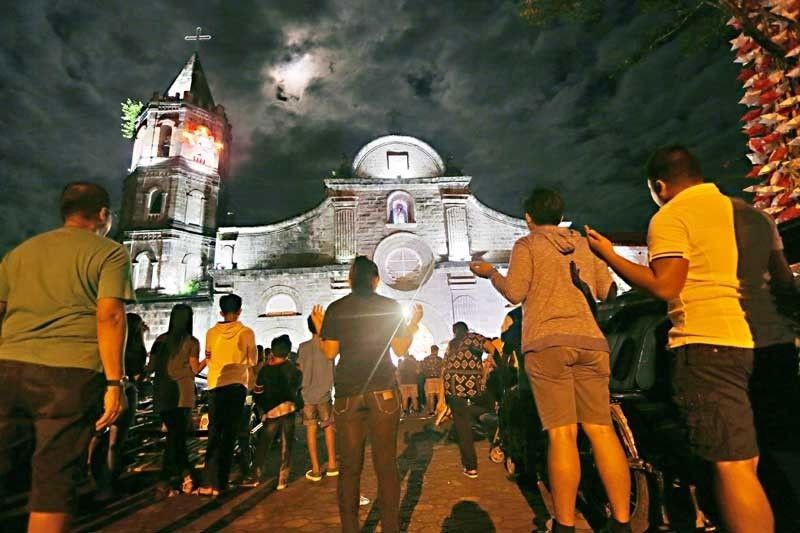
(59, 406)
(711, 389)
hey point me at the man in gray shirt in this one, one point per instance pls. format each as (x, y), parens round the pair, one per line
(566, 355)
(317, 411)
(62, 334)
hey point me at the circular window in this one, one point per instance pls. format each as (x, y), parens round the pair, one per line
(403, 264)
(405, 261)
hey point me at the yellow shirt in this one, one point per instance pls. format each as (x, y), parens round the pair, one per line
(231, 352)
(726, 299)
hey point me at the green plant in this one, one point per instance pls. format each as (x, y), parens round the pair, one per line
(191, 288)
(130, 112)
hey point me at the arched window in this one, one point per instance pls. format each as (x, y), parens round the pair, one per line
(164, 141)
(143, 272)
(465, 309)
(155, 202)
(192, 271)
(195, 205)
(400, 208)
(281, 305)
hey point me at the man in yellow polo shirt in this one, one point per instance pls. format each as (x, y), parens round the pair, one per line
(715, 260)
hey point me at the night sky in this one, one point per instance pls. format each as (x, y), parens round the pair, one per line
(516, 106)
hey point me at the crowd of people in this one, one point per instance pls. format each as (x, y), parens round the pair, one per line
(67, 369)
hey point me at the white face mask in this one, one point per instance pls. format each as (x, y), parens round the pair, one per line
(105, 229)
(659, 202)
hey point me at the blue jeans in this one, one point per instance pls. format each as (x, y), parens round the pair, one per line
(376, 412)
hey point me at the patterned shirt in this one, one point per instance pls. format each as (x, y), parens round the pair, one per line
(431, 366)
(463, 374)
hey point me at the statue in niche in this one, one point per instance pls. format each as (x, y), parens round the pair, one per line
(400, 213)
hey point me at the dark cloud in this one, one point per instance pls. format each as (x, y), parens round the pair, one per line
(516, 106)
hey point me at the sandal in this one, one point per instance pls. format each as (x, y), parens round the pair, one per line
(207, 491)
(313, 476)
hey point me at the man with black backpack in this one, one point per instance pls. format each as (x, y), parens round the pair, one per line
(566, 355)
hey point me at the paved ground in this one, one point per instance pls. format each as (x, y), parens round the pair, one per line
(436, 496)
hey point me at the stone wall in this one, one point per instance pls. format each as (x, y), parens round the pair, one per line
(306, 240)
(492, 233)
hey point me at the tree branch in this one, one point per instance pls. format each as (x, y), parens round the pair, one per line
(751, 30)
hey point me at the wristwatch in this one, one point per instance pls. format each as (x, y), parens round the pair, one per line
(115, 382)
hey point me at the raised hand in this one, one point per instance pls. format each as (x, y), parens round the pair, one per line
(482, 269)
(317, 317)
(598, 243)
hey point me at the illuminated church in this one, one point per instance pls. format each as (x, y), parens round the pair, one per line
(399, 206)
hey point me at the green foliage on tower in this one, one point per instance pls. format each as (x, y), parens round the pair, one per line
(130, 112)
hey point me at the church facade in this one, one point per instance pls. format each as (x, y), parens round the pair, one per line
(398, 206)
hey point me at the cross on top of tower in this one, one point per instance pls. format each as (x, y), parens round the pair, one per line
(197, 37)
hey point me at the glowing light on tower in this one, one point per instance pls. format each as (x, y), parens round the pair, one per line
(201, 146)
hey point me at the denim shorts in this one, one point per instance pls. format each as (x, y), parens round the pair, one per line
(318, 413)
(59, 406)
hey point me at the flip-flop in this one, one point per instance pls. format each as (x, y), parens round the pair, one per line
(311, 476)
(207, 492)
(332, 473)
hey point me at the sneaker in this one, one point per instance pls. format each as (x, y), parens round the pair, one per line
(253, 479)
(472, 474)
(362, 501)
(313, 476)
(250, 481)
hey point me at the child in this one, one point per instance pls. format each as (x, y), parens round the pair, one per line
(276, 394)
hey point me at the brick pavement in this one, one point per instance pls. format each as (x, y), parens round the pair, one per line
(435, 496)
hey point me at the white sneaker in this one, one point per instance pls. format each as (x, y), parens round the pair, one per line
(362, 501)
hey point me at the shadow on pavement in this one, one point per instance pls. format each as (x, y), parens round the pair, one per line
(468, 517)
(412, 462)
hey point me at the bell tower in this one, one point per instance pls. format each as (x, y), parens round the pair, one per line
(170, 198)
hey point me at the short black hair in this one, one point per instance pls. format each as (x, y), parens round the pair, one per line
(673, 163)
(84, 199)
(434, 348)
(363, 274)
(311, 327)
(281, 346)
(462, 326)
(230, 303)
(544, 206)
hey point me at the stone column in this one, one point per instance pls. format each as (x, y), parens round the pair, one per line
(345, 239)
(455, 219)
